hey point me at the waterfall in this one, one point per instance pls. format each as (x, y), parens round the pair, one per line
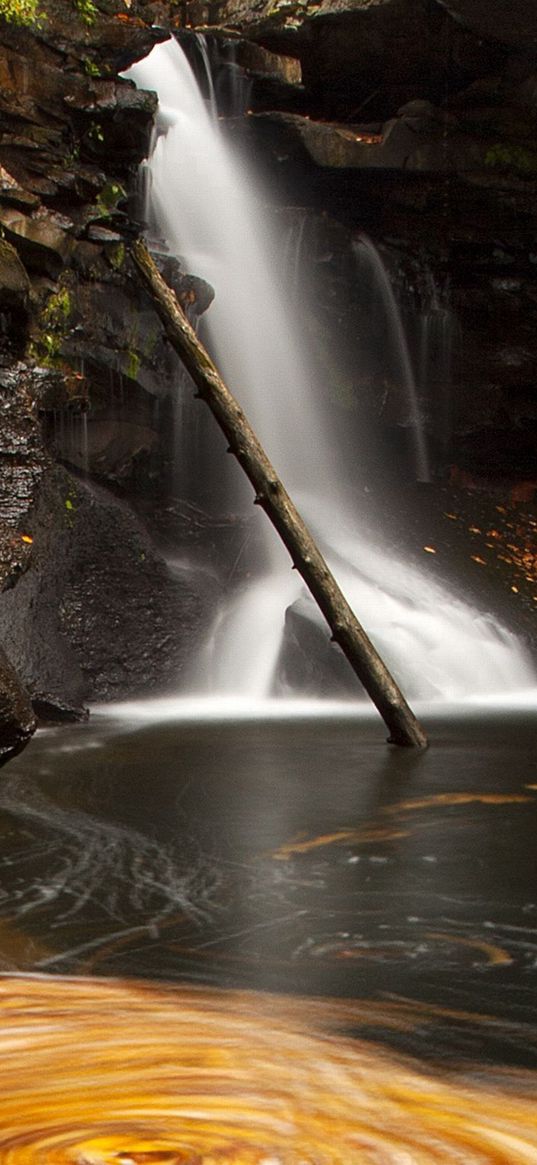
(438, 341)
(208, 207)
(368, 255)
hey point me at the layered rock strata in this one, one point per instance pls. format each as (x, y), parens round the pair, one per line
(89, 608)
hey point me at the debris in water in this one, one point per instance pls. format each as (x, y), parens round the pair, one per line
(193, 1075)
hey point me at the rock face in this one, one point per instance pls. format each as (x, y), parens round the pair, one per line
(88, 606)
(17, 720)
(98, 614)
(417, 129)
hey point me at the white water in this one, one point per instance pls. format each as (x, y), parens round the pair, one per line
(209, 210)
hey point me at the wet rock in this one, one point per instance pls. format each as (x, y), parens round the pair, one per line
(14, 286)
(13, 194)
(51, 711)
(408, 143)
(17, 720)
(112, 39)
(309, 663)
(22, 463)
(103, 235)
(375, 54)
(98, 614)
(260, 62)
(114, 332)
(110, 448)
(109, 328)
(114, 116)
(194, 294)
(43, 238)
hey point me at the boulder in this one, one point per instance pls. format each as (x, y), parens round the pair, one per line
(97, 614)
(309, 663)
(43, 238)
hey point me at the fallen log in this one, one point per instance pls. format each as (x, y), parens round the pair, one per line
(271, 495)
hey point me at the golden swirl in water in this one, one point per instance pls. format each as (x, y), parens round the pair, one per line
(94, 1072)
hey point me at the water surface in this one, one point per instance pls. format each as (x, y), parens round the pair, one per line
(301, 856)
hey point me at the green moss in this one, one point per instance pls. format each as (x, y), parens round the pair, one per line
(70, 508)
(96, 134)
(90, 68)
(58, 308)
(133, 364)
(109, 197)
(150, 343)
(28, 14)
(517, 159)
(22, 12)
(87, 11)
(116, 256)
(53, 327)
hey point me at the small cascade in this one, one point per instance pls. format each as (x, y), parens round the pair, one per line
(225, 87)
(85, 445)
(228, 665)
(368, 256)
(210, 210)
(200, 41)
(70, 438)
(439, 334)
(293, 253)
(233, 87)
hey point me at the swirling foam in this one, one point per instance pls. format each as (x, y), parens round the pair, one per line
(96, 1072)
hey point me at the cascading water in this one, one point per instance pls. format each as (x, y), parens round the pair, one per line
(368, 255)
(438, 339)
(208, 208)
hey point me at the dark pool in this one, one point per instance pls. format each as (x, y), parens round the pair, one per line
(300, 856)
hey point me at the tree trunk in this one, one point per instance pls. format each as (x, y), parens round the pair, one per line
(272, 496)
